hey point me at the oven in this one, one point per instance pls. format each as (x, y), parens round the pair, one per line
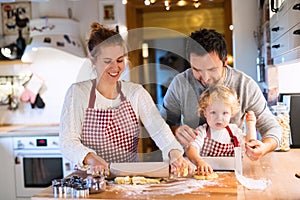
(37, 162)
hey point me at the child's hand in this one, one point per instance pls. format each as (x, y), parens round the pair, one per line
(250, 116)
(203, 168)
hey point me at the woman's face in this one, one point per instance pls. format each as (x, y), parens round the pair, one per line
(110, 63)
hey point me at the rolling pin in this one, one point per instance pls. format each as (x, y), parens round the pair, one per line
(251, 122)
(146, 169)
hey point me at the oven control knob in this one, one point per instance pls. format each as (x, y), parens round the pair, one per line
(31, 143)
(20, 144)
(55, 143)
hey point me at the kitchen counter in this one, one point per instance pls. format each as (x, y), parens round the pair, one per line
(279, 167)
(29, 130)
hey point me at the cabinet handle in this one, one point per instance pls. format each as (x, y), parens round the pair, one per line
(276, 46)
(296, 32)
(296, 6)
(275, 29)
(272, 7)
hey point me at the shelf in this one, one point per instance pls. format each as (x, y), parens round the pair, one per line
(10, 62)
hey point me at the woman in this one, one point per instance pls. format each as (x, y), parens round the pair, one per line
(100, 117)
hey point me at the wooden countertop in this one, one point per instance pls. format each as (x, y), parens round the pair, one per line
(279, 167)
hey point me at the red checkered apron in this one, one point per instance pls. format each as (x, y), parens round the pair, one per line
(214, 148)
(112, 133)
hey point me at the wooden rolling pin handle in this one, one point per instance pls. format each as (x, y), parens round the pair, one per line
(251, 122)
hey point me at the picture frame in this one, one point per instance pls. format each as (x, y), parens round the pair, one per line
(108, 10)
(15, 16)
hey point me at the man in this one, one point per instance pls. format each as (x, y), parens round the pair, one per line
(207, 53)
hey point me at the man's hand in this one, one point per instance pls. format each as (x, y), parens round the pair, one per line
(256, 149)
(185, 134)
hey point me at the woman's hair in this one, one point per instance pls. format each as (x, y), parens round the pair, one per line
(102, 36)
(218, 93)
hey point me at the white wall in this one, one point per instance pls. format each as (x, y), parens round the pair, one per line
(288, 76)
(245, 20)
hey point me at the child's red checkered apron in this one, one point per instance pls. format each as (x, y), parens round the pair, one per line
(112, 133)
(215, 148)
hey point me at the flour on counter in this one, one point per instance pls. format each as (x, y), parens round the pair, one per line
(180, 186)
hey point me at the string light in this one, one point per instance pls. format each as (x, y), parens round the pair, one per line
(147, 2)
(167, 3)
(181, 3)
(197, 4)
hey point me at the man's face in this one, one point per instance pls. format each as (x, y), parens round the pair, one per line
(208, 69)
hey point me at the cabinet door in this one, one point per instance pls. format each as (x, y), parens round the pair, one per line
(294, 14)
(7, 174)
(280, 46)
(294, 37)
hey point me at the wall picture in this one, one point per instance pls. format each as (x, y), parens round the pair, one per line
(15, 16)
(108, 12)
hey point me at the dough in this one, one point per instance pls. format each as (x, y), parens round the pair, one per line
(206, 177)
(140, 180)
(123, 180)
(184, 173)
(136, 180)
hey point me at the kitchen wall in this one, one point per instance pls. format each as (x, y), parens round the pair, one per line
(245, 21)
(57, 69)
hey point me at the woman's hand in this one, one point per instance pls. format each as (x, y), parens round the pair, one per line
(98, 166)
(203, 168)
(179, 165)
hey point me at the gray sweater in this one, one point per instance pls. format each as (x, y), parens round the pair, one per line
(181, 102)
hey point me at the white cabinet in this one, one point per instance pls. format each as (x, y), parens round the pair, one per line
(285, 32)
(7, 183)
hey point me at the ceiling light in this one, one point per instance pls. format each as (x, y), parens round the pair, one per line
(181, 3)
(124, 2)
(10, 51)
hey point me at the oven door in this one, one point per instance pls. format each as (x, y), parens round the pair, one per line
(35, 169)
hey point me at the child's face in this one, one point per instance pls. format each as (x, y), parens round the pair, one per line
(218, 115)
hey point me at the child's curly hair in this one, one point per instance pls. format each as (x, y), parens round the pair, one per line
(218, 93)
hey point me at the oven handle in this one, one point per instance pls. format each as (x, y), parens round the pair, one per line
(20, 155)
(17, 159)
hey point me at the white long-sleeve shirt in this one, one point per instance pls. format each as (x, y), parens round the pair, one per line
(74, 108)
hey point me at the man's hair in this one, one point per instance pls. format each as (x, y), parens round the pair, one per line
(206, 41)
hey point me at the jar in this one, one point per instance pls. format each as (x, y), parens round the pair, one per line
(281, 112)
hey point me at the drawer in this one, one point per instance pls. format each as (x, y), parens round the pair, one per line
(294, 37)
(294, 14)
(288, 57)
(284, 6)
(280, 46)
(279, 28)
